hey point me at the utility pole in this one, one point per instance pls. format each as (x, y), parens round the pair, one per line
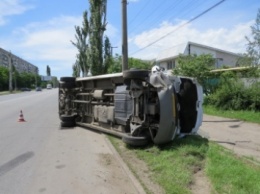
(111, 50)
(124, 36)
(10, 62)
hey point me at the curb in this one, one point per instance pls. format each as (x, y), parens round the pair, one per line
(134, 180)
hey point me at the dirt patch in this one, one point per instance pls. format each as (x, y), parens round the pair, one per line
(113, 169)
(112, 175)
(201, 183)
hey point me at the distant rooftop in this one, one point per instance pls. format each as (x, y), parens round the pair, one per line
(175, 51)
(171, 52)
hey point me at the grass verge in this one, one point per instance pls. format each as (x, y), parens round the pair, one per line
(173, 166)
(230, 173)
(250, 116)
(7, 92)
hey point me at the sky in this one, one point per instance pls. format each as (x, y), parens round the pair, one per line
(41, 31)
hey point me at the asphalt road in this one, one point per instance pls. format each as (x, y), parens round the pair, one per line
(37, 157)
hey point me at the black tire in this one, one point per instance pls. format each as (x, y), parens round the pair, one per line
(68, 79)
(68, 85)
(67, 118)
(135, 141)
(67, 124)
(136, 74)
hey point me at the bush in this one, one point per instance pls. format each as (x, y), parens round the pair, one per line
(234, 95)
(254, 96)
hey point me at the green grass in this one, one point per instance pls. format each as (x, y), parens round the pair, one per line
(231, 174)
(173, 166)
(7, 92)
(4, 92)
(249, 116)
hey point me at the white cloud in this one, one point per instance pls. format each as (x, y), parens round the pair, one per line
(48, 39)
(11, 7)
(232, 39)
(48, 43)
(111, 31)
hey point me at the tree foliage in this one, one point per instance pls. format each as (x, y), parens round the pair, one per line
(97, 27)
(244, 60)
(81, 44)
(4, 77)
(20, 80)
(196, 66)
(116, 65)
(94, 51)
(253, 46)
(139, 64)
(48, 70)
(233, 94)
(107, 55)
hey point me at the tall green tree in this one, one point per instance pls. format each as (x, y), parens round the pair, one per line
(94, 51)
(76, 69)
(253, 46)
(48, 70)
(97, 27)
(107, 55)
(81, 64)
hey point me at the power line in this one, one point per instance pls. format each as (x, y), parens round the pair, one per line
(149, 14)
(158, 17)
(191, 20)
(139, 12)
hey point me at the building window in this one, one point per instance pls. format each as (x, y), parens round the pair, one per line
(219, 62)
(171, 64)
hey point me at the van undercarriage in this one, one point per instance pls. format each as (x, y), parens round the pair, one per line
(136, 105)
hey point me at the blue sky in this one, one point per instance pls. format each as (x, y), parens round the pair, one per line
(40, 31)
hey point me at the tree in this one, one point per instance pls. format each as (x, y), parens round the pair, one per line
(138, 63)
(10, 62)
(116, 64)
(81, 36)
(48, 71)
(26, 80)
(15, 75)
(107, 55)
(76, 69)
(196, 66)
(4, 72)
(97, 27)
(253, 46)
(244, 60)
(94, 52)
